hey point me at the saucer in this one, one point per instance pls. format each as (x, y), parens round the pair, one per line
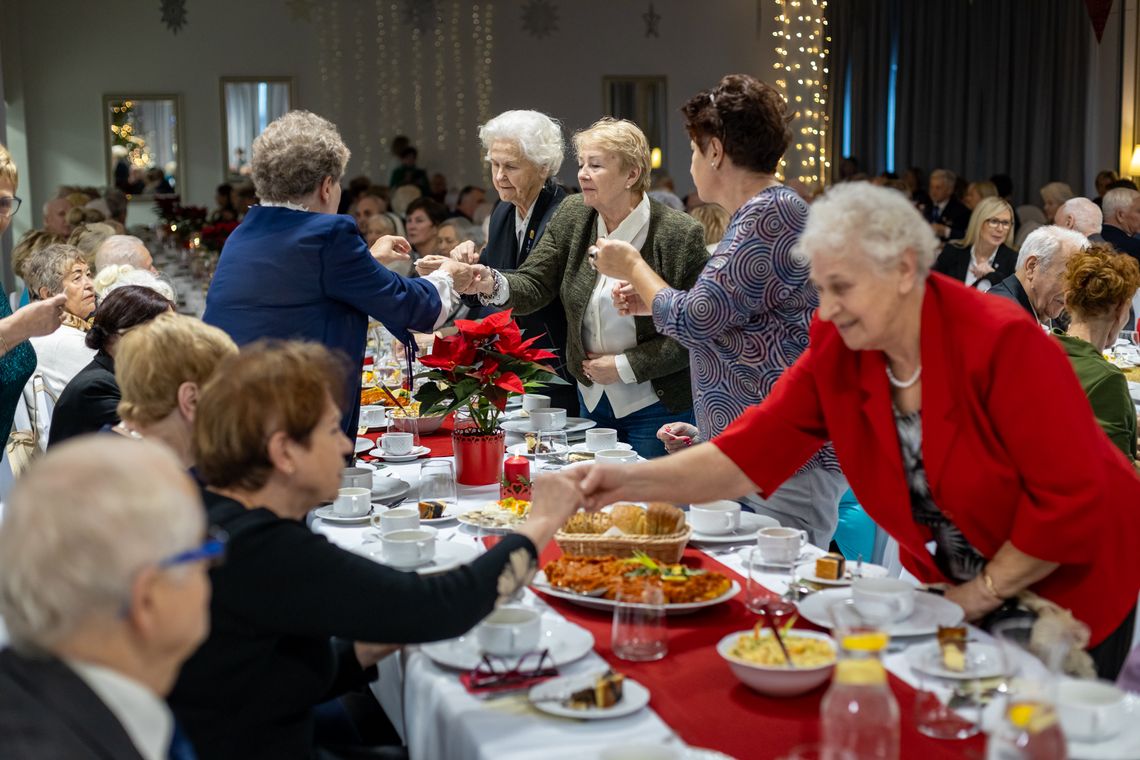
(806, 572)
(566, 642)
(363, 444)
(547, 697)
(388, 489)
(750, 524)
(328, 514)
(448, 556)
(415, 453)
(930, 612)
(982, 661)
(581, 448)
(573, 425)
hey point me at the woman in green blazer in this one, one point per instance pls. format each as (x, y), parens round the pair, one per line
(1100, 284)
(630, 377)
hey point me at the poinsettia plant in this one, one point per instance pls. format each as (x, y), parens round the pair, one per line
(480, 367)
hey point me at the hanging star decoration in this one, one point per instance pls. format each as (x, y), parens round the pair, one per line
(174, 14)
(422, 15)
(540, 18)
(652, 19)
(300, 10)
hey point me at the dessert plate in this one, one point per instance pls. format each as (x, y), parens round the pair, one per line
(547, 696)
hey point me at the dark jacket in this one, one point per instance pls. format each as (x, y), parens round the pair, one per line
(558, 267)
(88, 403)
(1012, 289)
(954, 261)
(47, 712)
(1121, 240)
(955, 216)
(285, 609)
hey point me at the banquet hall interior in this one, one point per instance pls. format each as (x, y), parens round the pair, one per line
(618, 379)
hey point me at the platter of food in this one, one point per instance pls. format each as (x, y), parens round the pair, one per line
(501, 516)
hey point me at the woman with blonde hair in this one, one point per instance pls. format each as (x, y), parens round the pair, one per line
(985, 256)
(976, 191)
(714, 221)
(1100, 284)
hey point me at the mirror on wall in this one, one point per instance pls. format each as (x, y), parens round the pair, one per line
(248, 105)
(142, 135)
(642, 100)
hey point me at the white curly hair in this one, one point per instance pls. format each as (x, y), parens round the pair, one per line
(117, 275)
(538, 136)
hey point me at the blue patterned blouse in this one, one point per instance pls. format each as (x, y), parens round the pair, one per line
(746, 319)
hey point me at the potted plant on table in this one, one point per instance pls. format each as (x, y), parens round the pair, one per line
(478, 369)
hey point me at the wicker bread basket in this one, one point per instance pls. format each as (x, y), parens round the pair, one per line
(667, 548)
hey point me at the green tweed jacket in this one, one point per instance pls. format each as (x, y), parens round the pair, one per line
(674, 247)
(1107, 389)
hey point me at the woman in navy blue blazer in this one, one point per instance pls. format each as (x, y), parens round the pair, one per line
(295, 269)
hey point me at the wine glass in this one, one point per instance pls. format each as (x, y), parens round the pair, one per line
(553, 451)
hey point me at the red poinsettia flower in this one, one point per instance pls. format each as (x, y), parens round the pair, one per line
(484, 328)
(449, 353)
(509, 381)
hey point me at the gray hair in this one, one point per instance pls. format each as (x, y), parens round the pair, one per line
(1117, 200)
(119, 249)
(538, 136)
(944, 174)
(61, 567)
(402, 196)
(1086, 215)
(465, 230)
(116, 276)
(294, 154)
(1058, 192)
(48, 268)
(880, 222)
(1046, 242)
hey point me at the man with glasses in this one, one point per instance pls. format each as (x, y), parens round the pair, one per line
(104, 591)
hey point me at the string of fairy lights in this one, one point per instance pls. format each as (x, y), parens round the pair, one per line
(801, 66)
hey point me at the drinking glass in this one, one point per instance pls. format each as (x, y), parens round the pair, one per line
(437, 482)
(404, 421)
(639, 632)
(1029, 723)
(553, 451)
(947, 710)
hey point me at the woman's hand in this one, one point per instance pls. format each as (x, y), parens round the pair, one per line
(677, 436)
(601, 369)
(616, 258)
(553, 498)
(973, 598)
(980, 270)
(391, 248)
(429, 264)
(31, 321)
(370, 654)
(628, 302)
(466, 252)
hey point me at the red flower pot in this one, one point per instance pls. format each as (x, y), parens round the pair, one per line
(478, 456)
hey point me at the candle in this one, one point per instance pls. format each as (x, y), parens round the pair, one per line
(516, 478)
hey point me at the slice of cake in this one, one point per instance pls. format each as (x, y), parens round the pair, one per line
(431, 510)
(952, 643)
(831, 567)
(606, 692)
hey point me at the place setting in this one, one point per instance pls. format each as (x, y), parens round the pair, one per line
(547, 418)
(725, 522)
(404, 542)
(903, 609)
(510, 634)
(398, 447)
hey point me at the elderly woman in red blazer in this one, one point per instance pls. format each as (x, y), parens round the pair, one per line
(955, 419)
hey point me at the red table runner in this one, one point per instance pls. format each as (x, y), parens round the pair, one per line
(438, 442)
(694, 691)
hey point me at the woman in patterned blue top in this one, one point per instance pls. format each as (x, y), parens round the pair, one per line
(746, 319)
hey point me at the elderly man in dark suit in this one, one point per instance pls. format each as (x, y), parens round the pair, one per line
(1122, 220)
(1038, 284)
(103, 603)
(947, 215)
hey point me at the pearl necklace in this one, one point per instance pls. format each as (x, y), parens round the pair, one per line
(903, 384)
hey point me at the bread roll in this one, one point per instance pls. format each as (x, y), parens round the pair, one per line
(630, 519)
(664, 519)
(585, 522)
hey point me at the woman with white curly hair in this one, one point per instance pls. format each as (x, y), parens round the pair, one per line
(954, 418)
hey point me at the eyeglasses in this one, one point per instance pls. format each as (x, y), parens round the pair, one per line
(212, 550)
(999, 224)
(9, 205)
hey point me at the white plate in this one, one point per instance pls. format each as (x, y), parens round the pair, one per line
(634, 697)
(519, 450)
(930, 612)
(387, 489)
(597, 603)
(363, 444)
(806, 572)
(750, 524)
(581, 447)
(566, 642)
(327, 514)
(807, 553)
(448, 556)
(982, 661)
(573, 425)
(473, 518)
(448, 513)
(415, 453)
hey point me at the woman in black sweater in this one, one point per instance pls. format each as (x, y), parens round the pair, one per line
(292, 615)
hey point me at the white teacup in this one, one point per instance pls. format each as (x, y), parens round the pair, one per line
(407, 548)
(883, 600)
(601, 439)
(356, 477)
(715, 517)
(1090, 710)
(615, 456)
(641, 752)
(547, 418)
(532, 401)
(509, 630)
(400, 518)
(397, 444)
(780, 546)
(353, 502)
(373, 416)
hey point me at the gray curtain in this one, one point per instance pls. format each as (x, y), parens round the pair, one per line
(241, 119)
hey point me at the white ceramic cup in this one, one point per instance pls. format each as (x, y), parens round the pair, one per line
(780, 546)
(373, 416)
(547, 418)
(407, 548)
(509, 630)
(641, 752)
(615, 456)
(882, 600)
(532, 401)
(353, 502)
(715, 517)
(356, 477)
(400, 518)
(1090, 710)
(397, 444)
(601, 439)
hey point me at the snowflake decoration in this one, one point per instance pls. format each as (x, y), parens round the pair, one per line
(540, 18)
(652, 20)
(174, 14)
(422, 15)
(300, 10)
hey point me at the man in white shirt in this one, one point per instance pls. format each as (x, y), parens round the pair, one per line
(104, 591)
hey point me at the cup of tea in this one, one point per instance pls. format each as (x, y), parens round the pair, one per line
(780, 546)
(397, 444)
(353, 502)
(548, 418)
(400, 518)
(532, 401)
(356, 477)
(715, 517)
(615, 456)
(408, 548)
(883, 600)
(1090, 710)
(509, 630)
(373, 416)
(601, 439)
